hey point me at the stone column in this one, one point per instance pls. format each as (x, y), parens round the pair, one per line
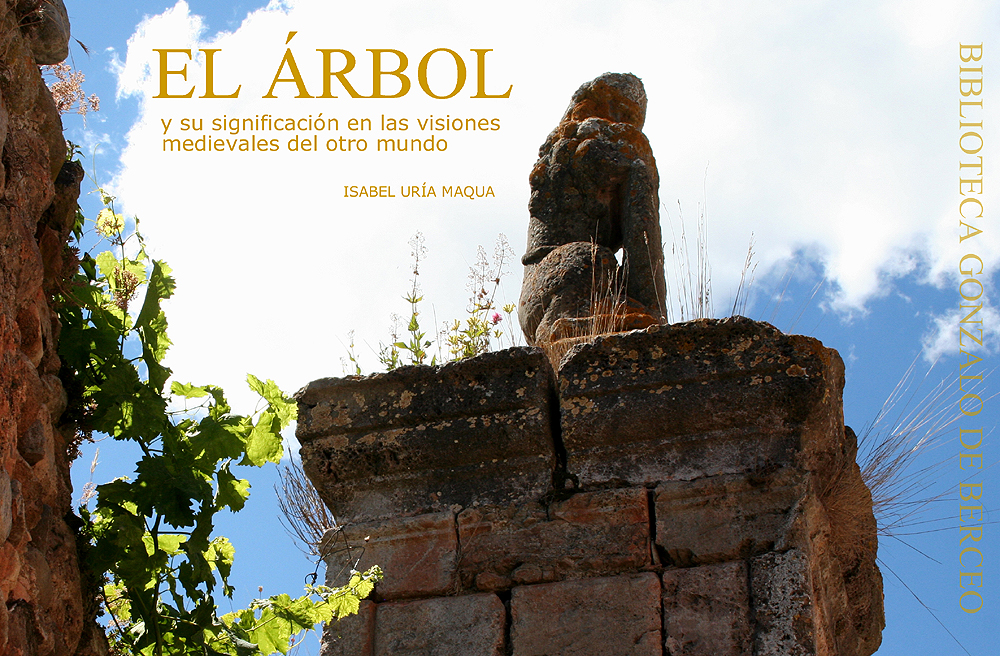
(686, 489)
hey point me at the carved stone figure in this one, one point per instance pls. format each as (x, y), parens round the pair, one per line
(593, 193)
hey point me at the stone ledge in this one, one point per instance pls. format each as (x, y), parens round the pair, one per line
(422, 439)
(697, 399)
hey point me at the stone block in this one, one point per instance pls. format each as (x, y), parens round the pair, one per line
(416, 554)
(421, 439)
(608, 616)
(588, 534)
(782, 605)
(446, 626)
(706, 610)
(726, 517)
(697, 399)
(353, 635)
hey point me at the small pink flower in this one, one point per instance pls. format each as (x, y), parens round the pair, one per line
(496, 318)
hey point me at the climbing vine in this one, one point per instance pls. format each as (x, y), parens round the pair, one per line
(150, 536)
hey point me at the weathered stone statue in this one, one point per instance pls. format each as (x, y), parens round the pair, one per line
(593, 193)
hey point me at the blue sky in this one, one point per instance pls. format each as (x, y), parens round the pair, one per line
(826, 131)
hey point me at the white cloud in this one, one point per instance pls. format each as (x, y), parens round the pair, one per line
(830, 130)
(944, 339)
(177, 27)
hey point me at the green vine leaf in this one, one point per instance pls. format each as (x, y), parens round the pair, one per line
(233, 492)
(264, 443)
(187, 390)
(151, 535)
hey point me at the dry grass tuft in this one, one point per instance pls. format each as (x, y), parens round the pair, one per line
(609, 313)
(890, 451)
(305, 516)
(690, 297)
(746, 282)
(890, 479)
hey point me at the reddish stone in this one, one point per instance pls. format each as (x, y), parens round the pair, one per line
(4, 622)
(6, 507)
(30, 329)
(726, 517)
(36, 442)
(353, 635)
(737, 427)
(470, 625)
(610, 616)
(416, 554)
(68, 603)
(706, 611)
(843, 548)
(590, 533)
(10, 565)
(42, 604)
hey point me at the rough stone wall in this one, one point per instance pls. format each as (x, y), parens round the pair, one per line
(42, 607)
(686, 489)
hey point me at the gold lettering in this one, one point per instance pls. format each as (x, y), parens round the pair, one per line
(974, 532)
(164, 72)
(970, 272)
(971, 486)
(210, 75)
(963, 103)
(459, 74)
(340, 75)
(970, 610)
(961, 437)
(971, 457)
(961, 143)
(977, 340)
(481, 76)
(971, 200)
(377, 73)
(293, 68)
(972, 576)
(975, 52)
(972, 184)
(972, 516)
